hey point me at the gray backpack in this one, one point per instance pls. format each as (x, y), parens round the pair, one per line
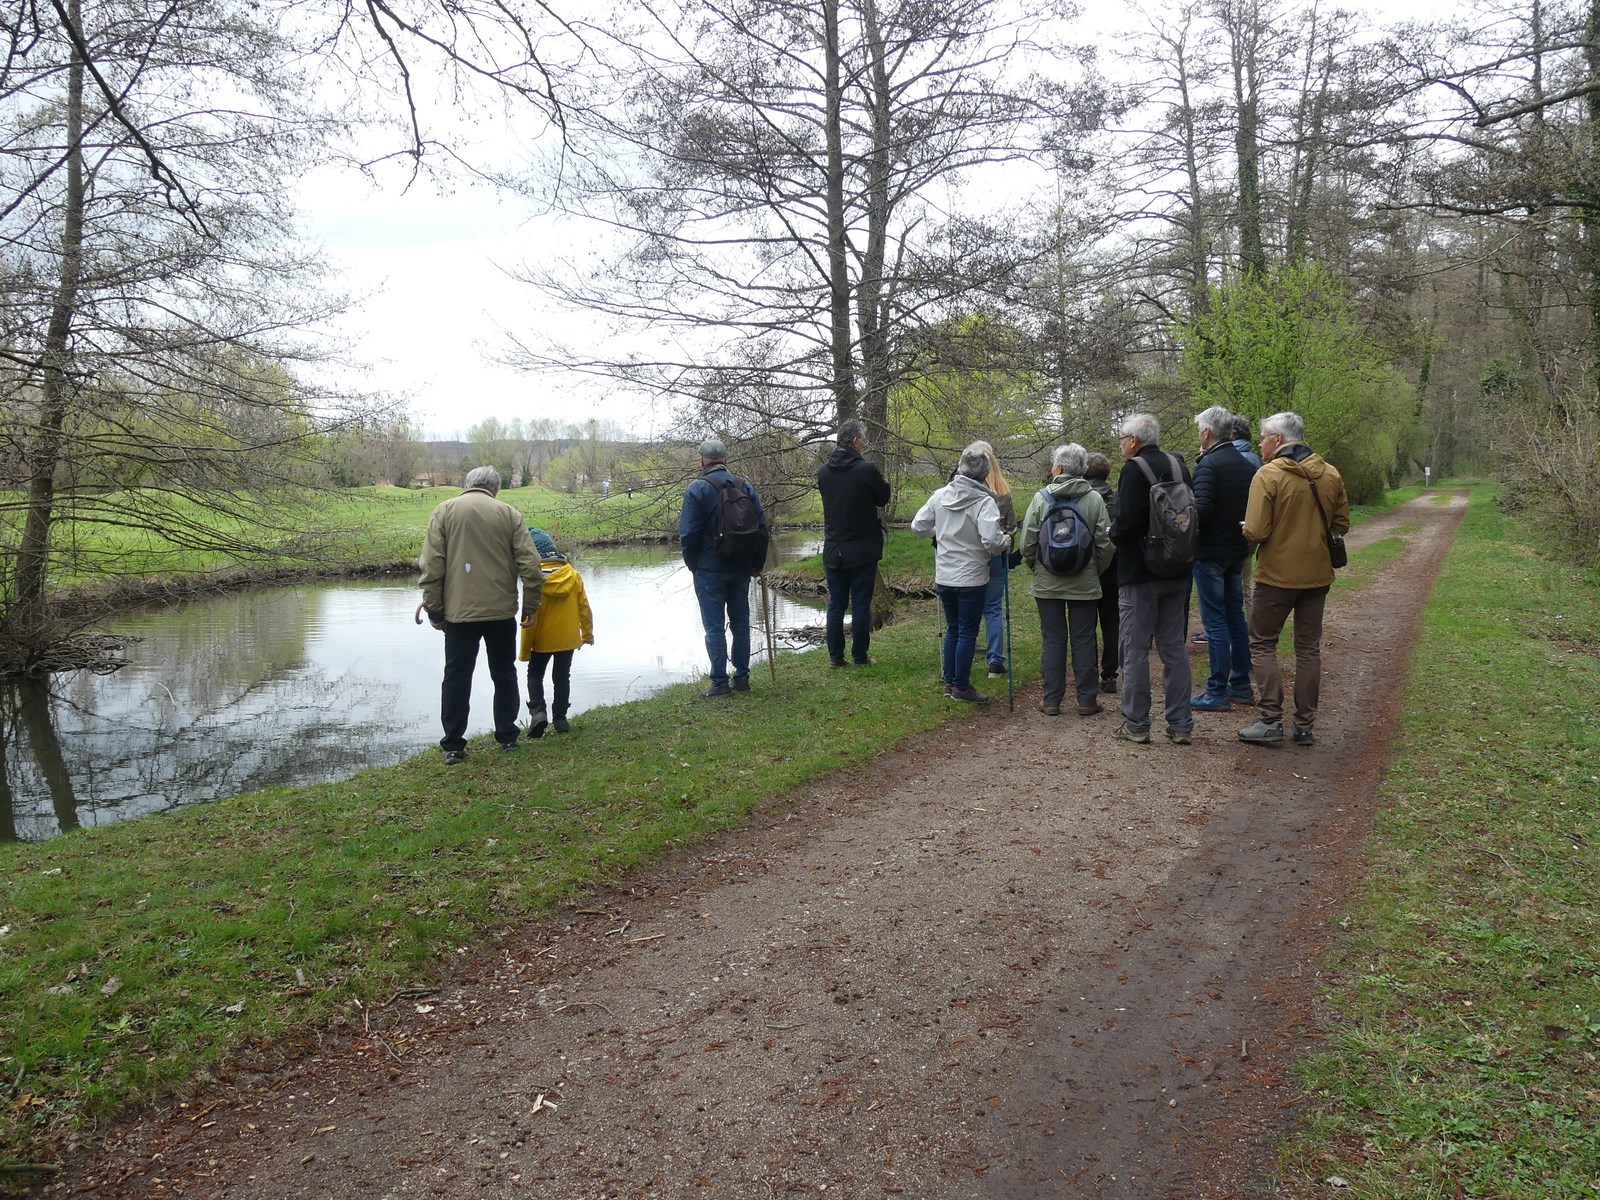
(1174, 525)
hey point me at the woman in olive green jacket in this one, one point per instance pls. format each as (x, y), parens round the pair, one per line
(1068, 604)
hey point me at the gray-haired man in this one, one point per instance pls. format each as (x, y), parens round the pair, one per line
(1151, 607)
(477, 547)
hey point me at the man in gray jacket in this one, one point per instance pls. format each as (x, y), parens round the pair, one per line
(477, 547)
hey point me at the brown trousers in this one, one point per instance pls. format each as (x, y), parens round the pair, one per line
(1268, 613)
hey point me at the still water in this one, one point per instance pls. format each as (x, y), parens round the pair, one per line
(312, 683)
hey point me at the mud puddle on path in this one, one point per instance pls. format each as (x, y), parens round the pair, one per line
(1017, 958)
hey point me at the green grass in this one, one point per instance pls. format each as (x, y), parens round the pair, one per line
(260, 918)
(1462, 1060)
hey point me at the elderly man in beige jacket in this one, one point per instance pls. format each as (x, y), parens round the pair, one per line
(1296, 501)
(476, 550)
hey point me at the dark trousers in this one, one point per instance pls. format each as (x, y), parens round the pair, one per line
(725, 610)
(461, 640)
(1064, 622)
(560, 680)
(1269, 612)
(1110, 626)
(850, 587)
(963, 613)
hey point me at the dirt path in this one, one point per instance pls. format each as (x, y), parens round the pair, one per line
(1016, 959)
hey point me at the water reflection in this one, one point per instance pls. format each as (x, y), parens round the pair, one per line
(306, 684)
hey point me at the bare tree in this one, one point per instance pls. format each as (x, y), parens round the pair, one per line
(773, 174)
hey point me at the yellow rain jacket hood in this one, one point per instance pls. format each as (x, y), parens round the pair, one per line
(563, 621)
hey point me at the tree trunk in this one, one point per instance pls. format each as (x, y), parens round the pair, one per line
(870, 287)
(840, 341)
(29, 617)
(1590, 195)
(1245, 35)
(1198, 242)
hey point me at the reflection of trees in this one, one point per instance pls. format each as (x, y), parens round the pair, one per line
(25, 711)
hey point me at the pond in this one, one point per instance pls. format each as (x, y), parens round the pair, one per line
(306, 684)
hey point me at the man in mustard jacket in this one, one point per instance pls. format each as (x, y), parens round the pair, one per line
(1296, 500)
(476, 549)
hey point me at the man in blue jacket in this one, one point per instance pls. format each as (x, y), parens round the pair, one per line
(1221, 491)
(723, 559)
(853, 490)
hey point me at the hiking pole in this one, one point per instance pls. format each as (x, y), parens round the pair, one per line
(1005, 591)
(766, 620)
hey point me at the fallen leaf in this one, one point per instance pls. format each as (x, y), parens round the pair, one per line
(111, 986)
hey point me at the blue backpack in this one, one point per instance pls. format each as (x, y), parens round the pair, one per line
(1066, 540)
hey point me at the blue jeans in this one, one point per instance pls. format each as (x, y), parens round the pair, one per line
(994, 610)
(850, 587)
(461, 640)
(1220, 587)
(963, 609)
(725, 604)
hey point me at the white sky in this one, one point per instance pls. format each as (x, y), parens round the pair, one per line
(428, 270)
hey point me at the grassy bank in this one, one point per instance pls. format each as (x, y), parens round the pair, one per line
(1466, 1038)
(134, 957)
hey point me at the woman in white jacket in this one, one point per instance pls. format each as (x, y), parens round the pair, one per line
(963, 520)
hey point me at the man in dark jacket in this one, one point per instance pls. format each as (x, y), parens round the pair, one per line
(853, 490)
(1149, 607)
(721, 579)
(1221, 491)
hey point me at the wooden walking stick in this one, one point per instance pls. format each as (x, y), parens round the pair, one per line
(766, 620)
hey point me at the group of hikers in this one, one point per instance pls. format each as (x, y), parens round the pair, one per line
(1111, 571)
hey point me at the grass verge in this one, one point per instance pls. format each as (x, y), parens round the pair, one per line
(1463, 1058)
(135, 957)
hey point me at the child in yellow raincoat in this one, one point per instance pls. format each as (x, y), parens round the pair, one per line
(562, 624)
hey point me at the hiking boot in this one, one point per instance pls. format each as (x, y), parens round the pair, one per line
(1245, 698)
(1199, 639)
(1179, 737)
(1089, 710)
(864, 662)
(561, 725)
(997, 669)
(716, 691)
(536, 726)
(1305, 737)
(1263, 733)
(837, 662)
(1139, 737)
(741, 683)
(506, 746)
(453, 757)
(1206, 702)
(1050, 710)
(1108, 685)
(970, 694)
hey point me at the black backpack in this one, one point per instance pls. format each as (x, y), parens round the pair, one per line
(739, 534)
(1173, 530)
(1066, 540)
